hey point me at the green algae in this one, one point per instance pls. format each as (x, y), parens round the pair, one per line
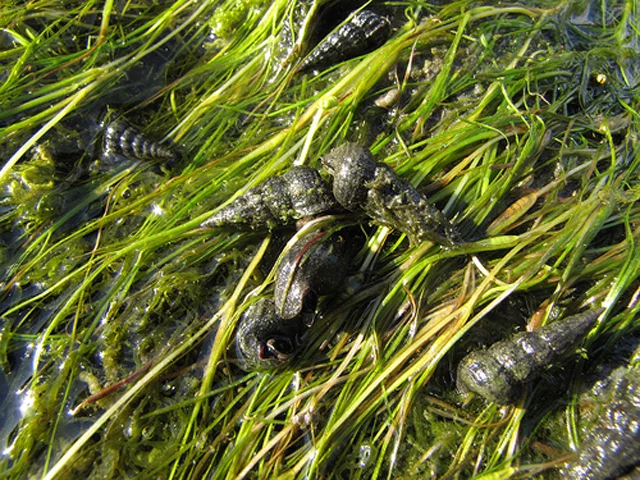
(519, 123)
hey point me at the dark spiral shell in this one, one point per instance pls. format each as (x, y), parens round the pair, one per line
(299, 192)
(612, 447)
(361, 184)
(500, 372)
(120, 138)
(363, 33)
(314, 266)
(266, 340)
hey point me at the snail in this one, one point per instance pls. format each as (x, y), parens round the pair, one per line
(500, 372)
(362, 33)
(362, 185)
(266, 340)
(280, 200)
(269, 333)
(120, 138)
(315, 265)
(612, 446)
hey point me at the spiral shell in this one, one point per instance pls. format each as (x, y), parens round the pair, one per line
(315, 265)
(266, 340)
(363, 33)
(361, 184)
(120, 138)
(500, 372)
(612, 447)
(299, 192)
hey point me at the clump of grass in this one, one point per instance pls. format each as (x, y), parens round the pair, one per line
(521, 123)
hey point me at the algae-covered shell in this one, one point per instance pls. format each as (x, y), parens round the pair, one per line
(363, 32)
(500, 372)
(353, 168)
(280, 200)
(612, 446)
(361, 184)
(120, 138)
(266, 340)
(314, 266)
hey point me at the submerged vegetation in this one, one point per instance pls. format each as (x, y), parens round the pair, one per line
(119, 308)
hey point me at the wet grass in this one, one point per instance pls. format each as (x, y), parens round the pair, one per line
(520, 123)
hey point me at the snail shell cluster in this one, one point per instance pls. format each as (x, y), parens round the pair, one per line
(360, 185)
(315, 264)
(500, 372)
